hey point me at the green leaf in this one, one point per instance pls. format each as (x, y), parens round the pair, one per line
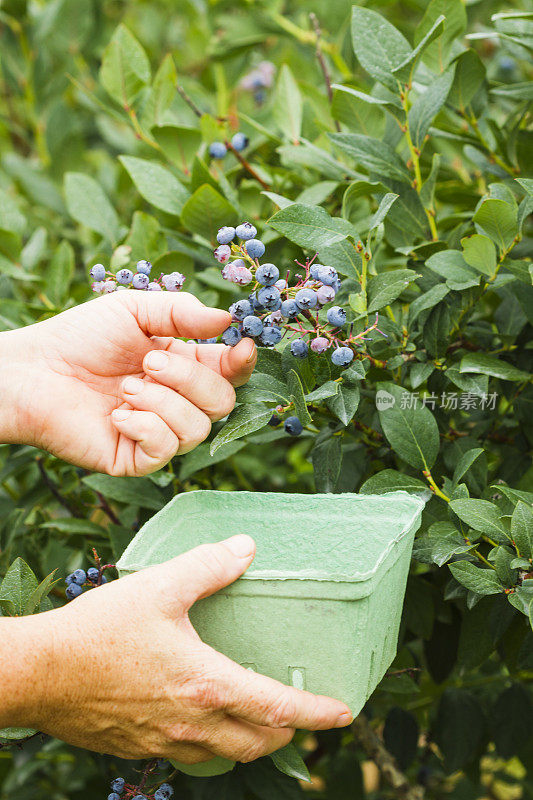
(310, 227)
(288, 105)
(465, 462)
(479, 252)
(206, 211)
(328, 389)
(451, 266)
(382, 211)
(511, 721)
(140, 492)
(17, 588)
(386, 287)
(375, 156)
(71, 525)
(378, 45)
(88, 205)
(60, 273)
(427, 300)
(200, 458)
(522, 528)
(527, 184)
(491, 365)
(263, 388)
(498, 220)
(11, 219)
(162, 93)
(156, 184)
(400, 736)
(178, 143)
(437, 53)
(390, 480)
(478, 580)
(427, 106)
(411, 431)
(39, 594)
(469, 76)
(297, 397)
(405, 70)
(345, 403)
(242, 420)
(440, 544)
(481, 515)
(327, 457)
(289, 761)
(125, 67)
(12, 734)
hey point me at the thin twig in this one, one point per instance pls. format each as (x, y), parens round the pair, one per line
(104, 505)
(54, 490)
(181, 91)
(247, 166)
(322, 61)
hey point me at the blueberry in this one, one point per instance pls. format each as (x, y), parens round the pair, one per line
(274, 421)
(212, 340)
(79, 576)
(252, 326)
(73, 590)
(109, 286)
(144, 266)
(217, 150)
(246, 231)
(255, 248)
(313, 271)
(124, 276)
(281, 284)
(140, 797)
(113, 796)
(342, 356)
(242, 309)
(276, 318)
(140, 280)
(306, 298)
(97, 272)
(293, 426)
(173, 281)
(92, 574)
(222, 253)
(266, 274)
(320, 344)
(237, 272)
(118, 785)
(336, 316)
(289, 308)
(98, 287)
(327, 275)
(257, 305)
(325, 294)
(299, 348)
(165, 792)
(337, 284)
(225, 234)
(231, 336)
(269, 297)
(271, 335)
(239, 141)
(153, 286)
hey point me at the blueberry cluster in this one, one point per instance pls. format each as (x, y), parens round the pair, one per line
(275, 309)
(80, 578)
(219, 149)
(105, 281)
(120, 790)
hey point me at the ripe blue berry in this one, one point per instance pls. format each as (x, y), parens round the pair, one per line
(327, 275)
(281, 284)
(336, 316)
(97, 272)
(173, 281)
(241, 309)
(255, 248)
(342, 356)
(246, 231)
(271, 335)
(256, 304)
(231, 336)
(299, 348)
(325, 294)
(269, 297)
(113, 796)
(165, 792)
(274, 421)
(222, 253)
(212, 340)
(92, 574)
(313, 271)
(252, 326)
(306, 298)
(144, 266)
(266, 274)
(217, 150)
(289, 308)
(226, 234)
(140, 280)
(73, 590)
(140, 797)
(320, 344)
(293, 426)
(79, 576)
(239, 141)
(153, 286)
(276, 318)
(124, 276)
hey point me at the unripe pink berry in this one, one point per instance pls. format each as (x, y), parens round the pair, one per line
(320, 344)
(325, 294)
(109, 286)
(222, 253)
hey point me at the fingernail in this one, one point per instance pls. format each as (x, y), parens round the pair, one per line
(133, 385)
(121, 414)
(241, 545)
(252, 355)
(157, 359)
(343, 720)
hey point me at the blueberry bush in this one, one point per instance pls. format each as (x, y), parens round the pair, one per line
(356, 185)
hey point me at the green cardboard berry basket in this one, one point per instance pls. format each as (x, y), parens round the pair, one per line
(320, 606)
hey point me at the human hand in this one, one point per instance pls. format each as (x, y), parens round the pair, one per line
(128, 675)
(80, 384)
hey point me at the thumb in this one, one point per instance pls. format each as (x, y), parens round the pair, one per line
(206, 569)
(176, 314)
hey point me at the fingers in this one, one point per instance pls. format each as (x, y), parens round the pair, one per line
(157, 443)
(188, 753)
(242, 741)
(206, 389)
(174, 314)
(262, 701)
(208, 568)
(190, 425)
(236, 364)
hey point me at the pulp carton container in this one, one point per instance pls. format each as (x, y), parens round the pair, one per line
(320, 606)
